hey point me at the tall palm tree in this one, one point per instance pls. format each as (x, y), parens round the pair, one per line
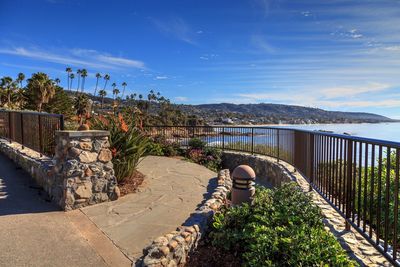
(42, 87)
(57, 81)
(124, 84)
(83, 75)
(102, 94)
(21, 78)
(68, 70)
(71, 78)
(106, 79)
(78, 72)
(115, 92)
(113, 85)
(98, 76)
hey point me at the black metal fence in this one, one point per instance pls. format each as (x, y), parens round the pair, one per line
(31, 129)
(358, 176)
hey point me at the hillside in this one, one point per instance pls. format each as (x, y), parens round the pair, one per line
(276, 113)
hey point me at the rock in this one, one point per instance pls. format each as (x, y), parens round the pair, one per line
(87, 157)
(84, 190)
(117, 191)
(98, 185)
(172, 244)
(85, 145)
(164, 250)
(105, 155)
(74, 152)
(172, 263)
(88, 172)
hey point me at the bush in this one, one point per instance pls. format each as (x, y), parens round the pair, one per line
(162, 147)
(127, 144)
(281, 228)
(196, 143)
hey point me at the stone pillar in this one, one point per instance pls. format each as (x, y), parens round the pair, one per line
(83, 163)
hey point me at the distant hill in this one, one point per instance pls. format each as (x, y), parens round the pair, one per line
(277, 113)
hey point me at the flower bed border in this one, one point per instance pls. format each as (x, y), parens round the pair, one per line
(173, 248)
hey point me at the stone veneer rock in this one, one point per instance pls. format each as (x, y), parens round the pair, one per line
(81, 172)
(83, 160)
(173, 248)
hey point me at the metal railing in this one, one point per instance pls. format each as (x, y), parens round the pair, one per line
(31, 129)
(358, 176)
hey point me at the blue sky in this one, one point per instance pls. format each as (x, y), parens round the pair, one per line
(337, 54)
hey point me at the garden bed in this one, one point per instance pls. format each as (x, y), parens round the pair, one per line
(131, 184)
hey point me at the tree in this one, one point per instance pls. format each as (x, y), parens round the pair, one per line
(83, 75)
(124, 84)
(98, 76)
(102, 94)
(40, 89)
(78, 72)
(81, 104)
(61, 103)
(68, 70)
(21, 78)
(115, 92)
(57, 81)
(106, 79)
(8, 87)
(72, 77)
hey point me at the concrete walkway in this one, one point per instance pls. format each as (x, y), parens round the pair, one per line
(172, 190)
(33, 232)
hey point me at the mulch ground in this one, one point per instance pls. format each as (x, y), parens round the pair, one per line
(207, 255)
(131, 184)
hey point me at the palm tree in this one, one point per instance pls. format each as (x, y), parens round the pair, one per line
(57, 81)
(106, 79)
(21, 78)
(71, 77)
(83, 75)
(98, 76)
(78, 72)
(113, 85)
(8, 86)
(42, 87)
(115, 92)
(124, 84)
(68, 70)
(102, 94)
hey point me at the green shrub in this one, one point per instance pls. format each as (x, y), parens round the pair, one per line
(155, 149)
(196, 143)
(281, 228)
(127, 144)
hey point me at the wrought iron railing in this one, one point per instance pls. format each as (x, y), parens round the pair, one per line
(34, 130)
(358, 176)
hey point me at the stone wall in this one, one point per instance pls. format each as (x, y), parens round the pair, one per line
(173, 248)
(81, 172)
(268, 171)
(83, 161)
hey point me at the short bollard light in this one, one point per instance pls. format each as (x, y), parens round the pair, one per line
(243, 190)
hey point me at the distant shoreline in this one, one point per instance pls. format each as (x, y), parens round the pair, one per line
(297, 124)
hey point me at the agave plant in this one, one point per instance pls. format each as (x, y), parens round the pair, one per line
(127, 143)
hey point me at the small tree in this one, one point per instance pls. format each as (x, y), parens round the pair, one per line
(102, 94)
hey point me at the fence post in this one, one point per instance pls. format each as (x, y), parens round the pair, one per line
(252, 140)
(349, 164)
(40, 135)
(278, 144)
(311, 160)
(223, 138)
(62, 122)
(9, 127)
(22, 129)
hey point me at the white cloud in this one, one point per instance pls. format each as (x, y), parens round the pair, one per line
(161, 78)
(261, 43)
(177, 28)
(75, 57)
(181, 98)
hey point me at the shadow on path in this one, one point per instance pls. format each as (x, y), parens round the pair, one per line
(18, 192)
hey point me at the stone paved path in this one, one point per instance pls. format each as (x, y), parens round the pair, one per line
(34, 232)
(173, 189)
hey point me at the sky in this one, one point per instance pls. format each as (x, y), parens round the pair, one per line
(336, 55)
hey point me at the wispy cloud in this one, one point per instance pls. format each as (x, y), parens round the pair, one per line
(161, 78)
(181, 98)
(261, 43)
(177, 28)
(75, 57)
